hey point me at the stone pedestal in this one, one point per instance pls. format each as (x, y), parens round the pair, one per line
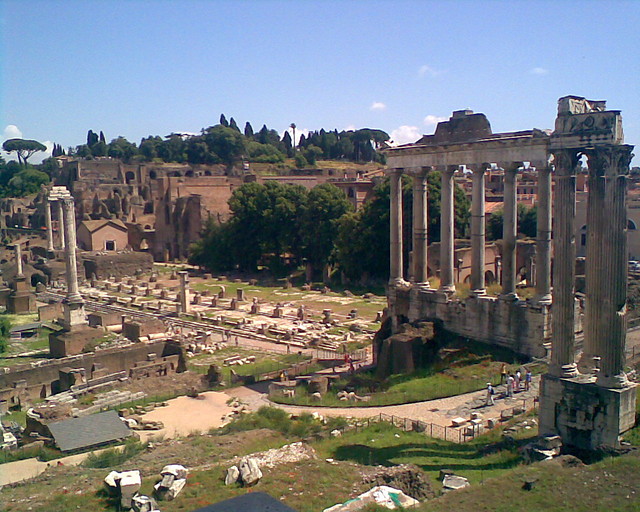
(584, 414)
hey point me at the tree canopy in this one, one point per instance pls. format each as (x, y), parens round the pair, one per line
(282, 226)
(24, 148)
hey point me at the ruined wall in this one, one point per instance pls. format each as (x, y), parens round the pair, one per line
(42, 380)
(518, 326)
(116, 264)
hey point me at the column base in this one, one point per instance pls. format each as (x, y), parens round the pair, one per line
(619, 381)
(479, 292)
(509, 297)
(566, 371)
(584, 414)
(398, 281)
(543, 300)
(447, 291)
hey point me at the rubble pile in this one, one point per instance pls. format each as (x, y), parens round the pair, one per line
(174, 478)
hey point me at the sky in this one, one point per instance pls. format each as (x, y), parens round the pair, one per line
(136, 68)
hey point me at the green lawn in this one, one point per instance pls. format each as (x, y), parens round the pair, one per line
(265, 362)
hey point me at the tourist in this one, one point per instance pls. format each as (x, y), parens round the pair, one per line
(516, 384)
(527, 380)
(510, 382)
(490, 392)
(503, 373)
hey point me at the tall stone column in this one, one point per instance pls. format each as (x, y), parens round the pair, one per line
(73, 294)
(184, 291)
(18, 253)
(564, 250)
(510, 232)
(447, 232)
(611, 165)
(543, 239)
(47, 217)
(420, 230)
(396, 269)
(478, 231)
(61, 228)
(595, 274)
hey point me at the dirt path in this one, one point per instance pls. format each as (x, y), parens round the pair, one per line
(20, 470)
(184, 415)
(440, 411)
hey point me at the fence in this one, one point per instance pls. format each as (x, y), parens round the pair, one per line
(456, 434)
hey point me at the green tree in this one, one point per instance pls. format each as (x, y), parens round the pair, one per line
(121, 148)
(288, 145)
(301, 161)
(26, 182)
(233, 125)
(362, 245)
(312, 153)
(325, 204)
(24, 148)
(223, 120)
(527, 219)
(248, 130)
(226, 143)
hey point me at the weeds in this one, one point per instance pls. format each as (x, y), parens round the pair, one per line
(114, 456)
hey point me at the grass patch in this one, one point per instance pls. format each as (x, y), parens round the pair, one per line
(114, 456)
(265, 362)
(383, 444)
(461, 366)
(272, 418)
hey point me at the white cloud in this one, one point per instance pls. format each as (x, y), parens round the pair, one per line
(299, 132)
(538, 71)
(377, 105)
(431, 120)
(425, 70)
(404, 135)
(11, 131)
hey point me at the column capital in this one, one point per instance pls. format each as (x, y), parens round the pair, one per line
(512, 167)
(395, 171)
(449, 170)
(481, 169)
(610, 160)
(566, 161)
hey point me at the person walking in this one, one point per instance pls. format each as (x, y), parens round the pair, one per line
(516, 384)
(503, 373)
(527, 380)
(510, 381)
(490, 393)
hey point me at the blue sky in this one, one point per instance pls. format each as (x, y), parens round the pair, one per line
(137, 68)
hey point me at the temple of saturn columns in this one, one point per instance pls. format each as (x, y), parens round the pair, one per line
(588, 405)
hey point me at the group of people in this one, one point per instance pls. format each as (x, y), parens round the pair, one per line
(513, 381)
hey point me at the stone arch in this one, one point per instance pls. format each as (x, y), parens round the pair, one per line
(189, 174)
(129, 177)
(489, 277)
(153, 175)
(631, 226)
(207, 173)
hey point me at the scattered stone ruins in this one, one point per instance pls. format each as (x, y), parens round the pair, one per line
(590, 409)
